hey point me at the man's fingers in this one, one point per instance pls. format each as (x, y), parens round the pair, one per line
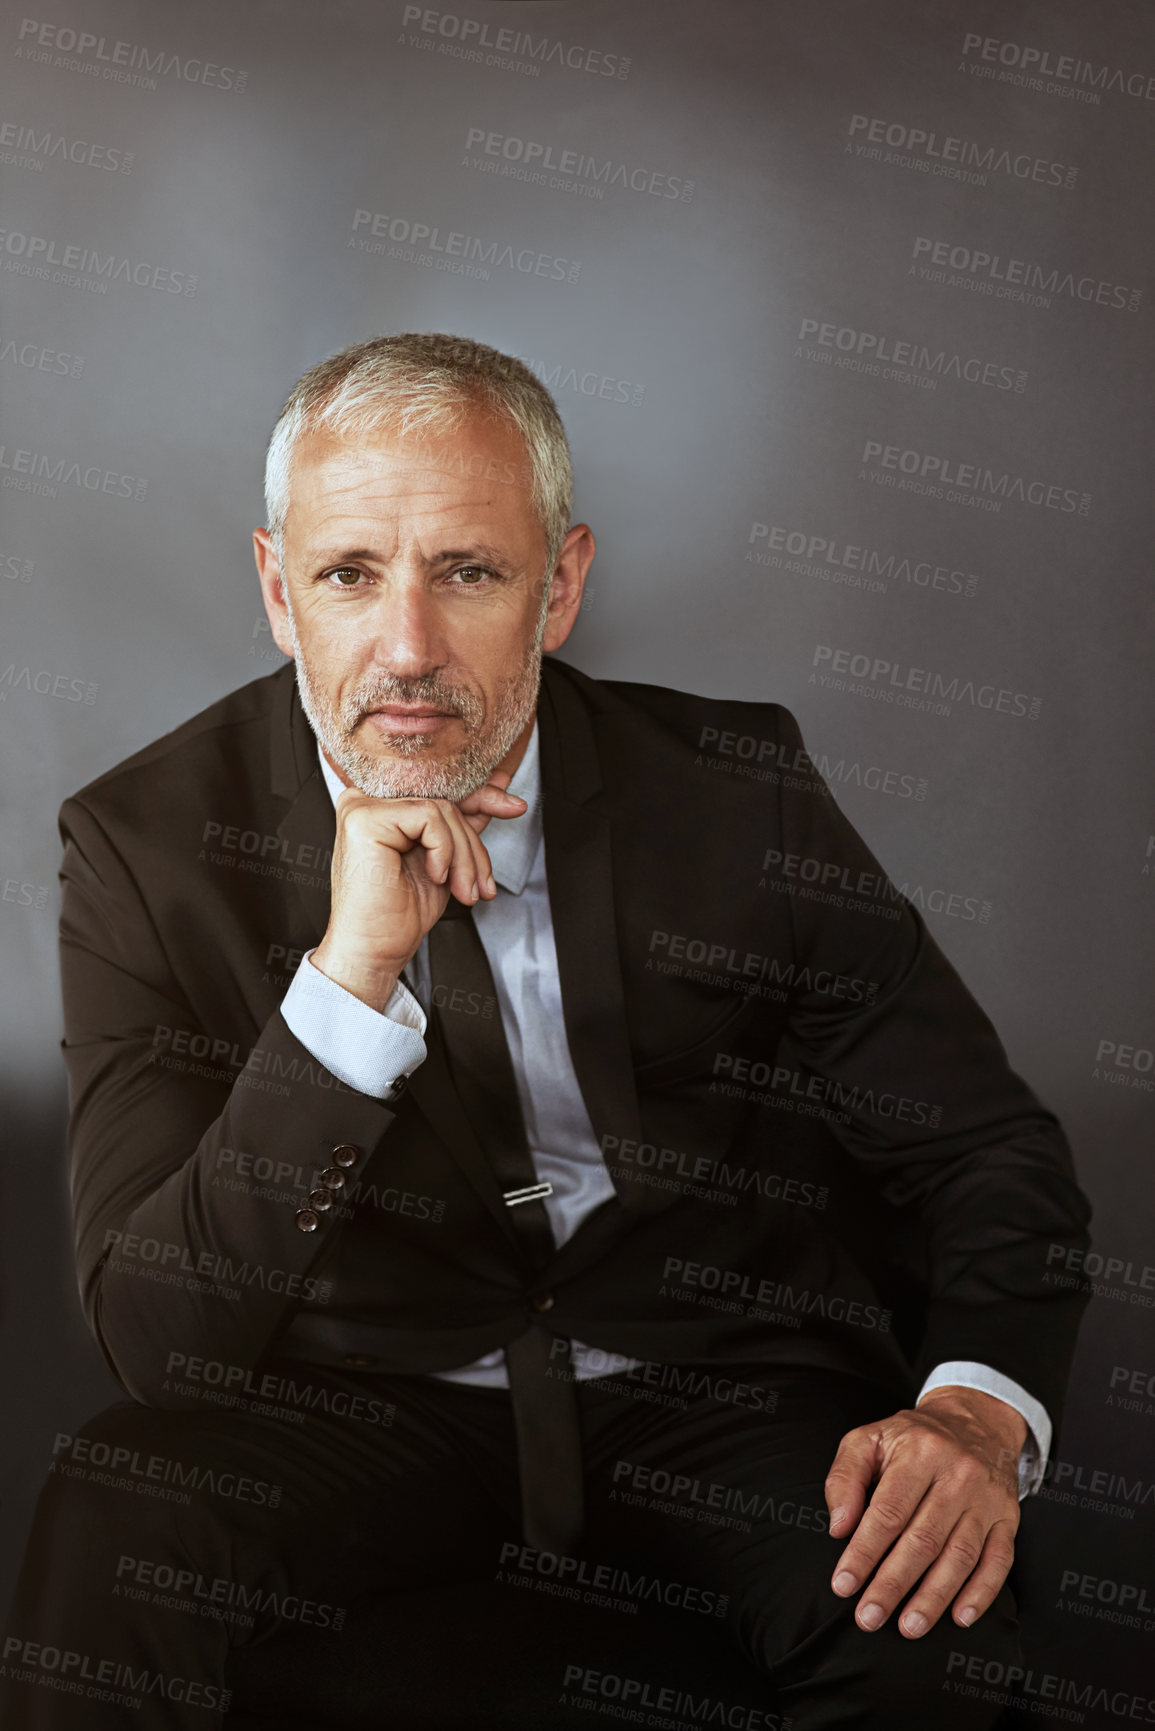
(849, 1480)
(491, 800)
(937, 1553)
(897, 1495)
(470, 877)
(957, 1562)
(980, 1591)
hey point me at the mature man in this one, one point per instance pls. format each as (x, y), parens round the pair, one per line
(447, 1029)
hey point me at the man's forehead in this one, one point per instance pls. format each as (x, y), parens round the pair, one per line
(474, 475)
(385, 451)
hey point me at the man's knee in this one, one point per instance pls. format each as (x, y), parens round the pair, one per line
(913, 1678)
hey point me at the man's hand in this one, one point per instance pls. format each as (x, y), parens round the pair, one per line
(396, 862)
(944, 1511)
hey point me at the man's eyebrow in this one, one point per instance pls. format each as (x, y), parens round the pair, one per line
(480, 550)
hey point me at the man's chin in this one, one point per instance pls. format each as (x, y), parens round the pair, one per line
(412, 772)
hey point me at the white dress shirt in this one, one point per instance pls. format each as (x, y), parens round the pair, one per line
(369, 1050)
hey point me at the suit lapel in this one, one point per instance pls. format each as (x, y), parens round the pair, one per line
(579, 872)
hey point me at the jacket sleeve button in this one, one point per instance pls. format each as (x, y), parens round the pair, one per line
(308, 1220)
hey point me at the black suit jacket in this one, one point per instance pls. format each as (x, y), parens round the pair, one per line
(801, 1105)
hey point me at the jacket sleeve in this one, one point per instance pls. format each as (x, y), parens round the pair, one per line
(186, 1155)
(920, 1092)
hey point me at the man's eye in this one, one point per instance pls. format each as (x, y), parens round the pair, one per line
(346, 577)
(471, 575)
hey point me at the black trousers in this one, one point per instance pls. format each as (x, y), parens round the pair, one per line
(164, 1540)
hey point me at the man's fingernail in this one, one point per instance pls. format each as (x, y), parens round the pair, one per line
(837, 1516)
(915, 1623)
(870, 1616)
(491, 885)
(473, 894)
(844, 1582)
(967, 1616)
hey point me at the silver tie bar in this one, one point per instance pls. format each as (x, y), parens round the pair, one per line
(530, 1193)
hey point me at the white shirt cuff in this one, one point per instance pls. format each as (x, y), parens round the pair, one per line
(962, 1373)
(367, 1049)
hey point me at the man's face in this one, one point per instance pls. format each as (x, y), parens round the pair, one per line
(413, 597)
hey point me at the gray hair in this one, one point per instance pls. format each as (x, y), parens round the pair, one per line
(425, 382)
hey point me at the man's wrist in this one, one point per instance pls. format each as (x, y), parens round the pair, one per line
(372, 985)
(1007, 1426)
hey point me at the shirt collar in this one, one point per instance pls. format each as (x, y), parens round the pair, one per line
(512, 842)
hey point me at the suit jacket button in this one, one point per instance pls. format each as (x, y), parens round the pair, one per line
(332, 1178)
(345, 1155)
(541, 1300)
(321, 1200)
(359, 1361)
(308, 1220)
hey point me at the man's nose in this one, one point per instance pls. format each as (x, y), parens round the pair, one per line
(408, 630)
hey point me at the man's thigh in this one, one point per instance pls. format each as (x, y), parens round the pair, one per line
(726, 1502)
(163, 1539)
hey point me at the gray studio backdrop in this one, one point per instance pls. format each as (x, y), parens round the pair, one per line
(848, 311)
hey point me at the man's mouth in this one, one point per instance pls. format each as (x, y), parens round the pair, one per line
(409, 718)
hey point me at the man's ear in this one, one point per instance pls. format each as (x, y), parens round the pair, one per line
(569, 576)
(272, 589)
